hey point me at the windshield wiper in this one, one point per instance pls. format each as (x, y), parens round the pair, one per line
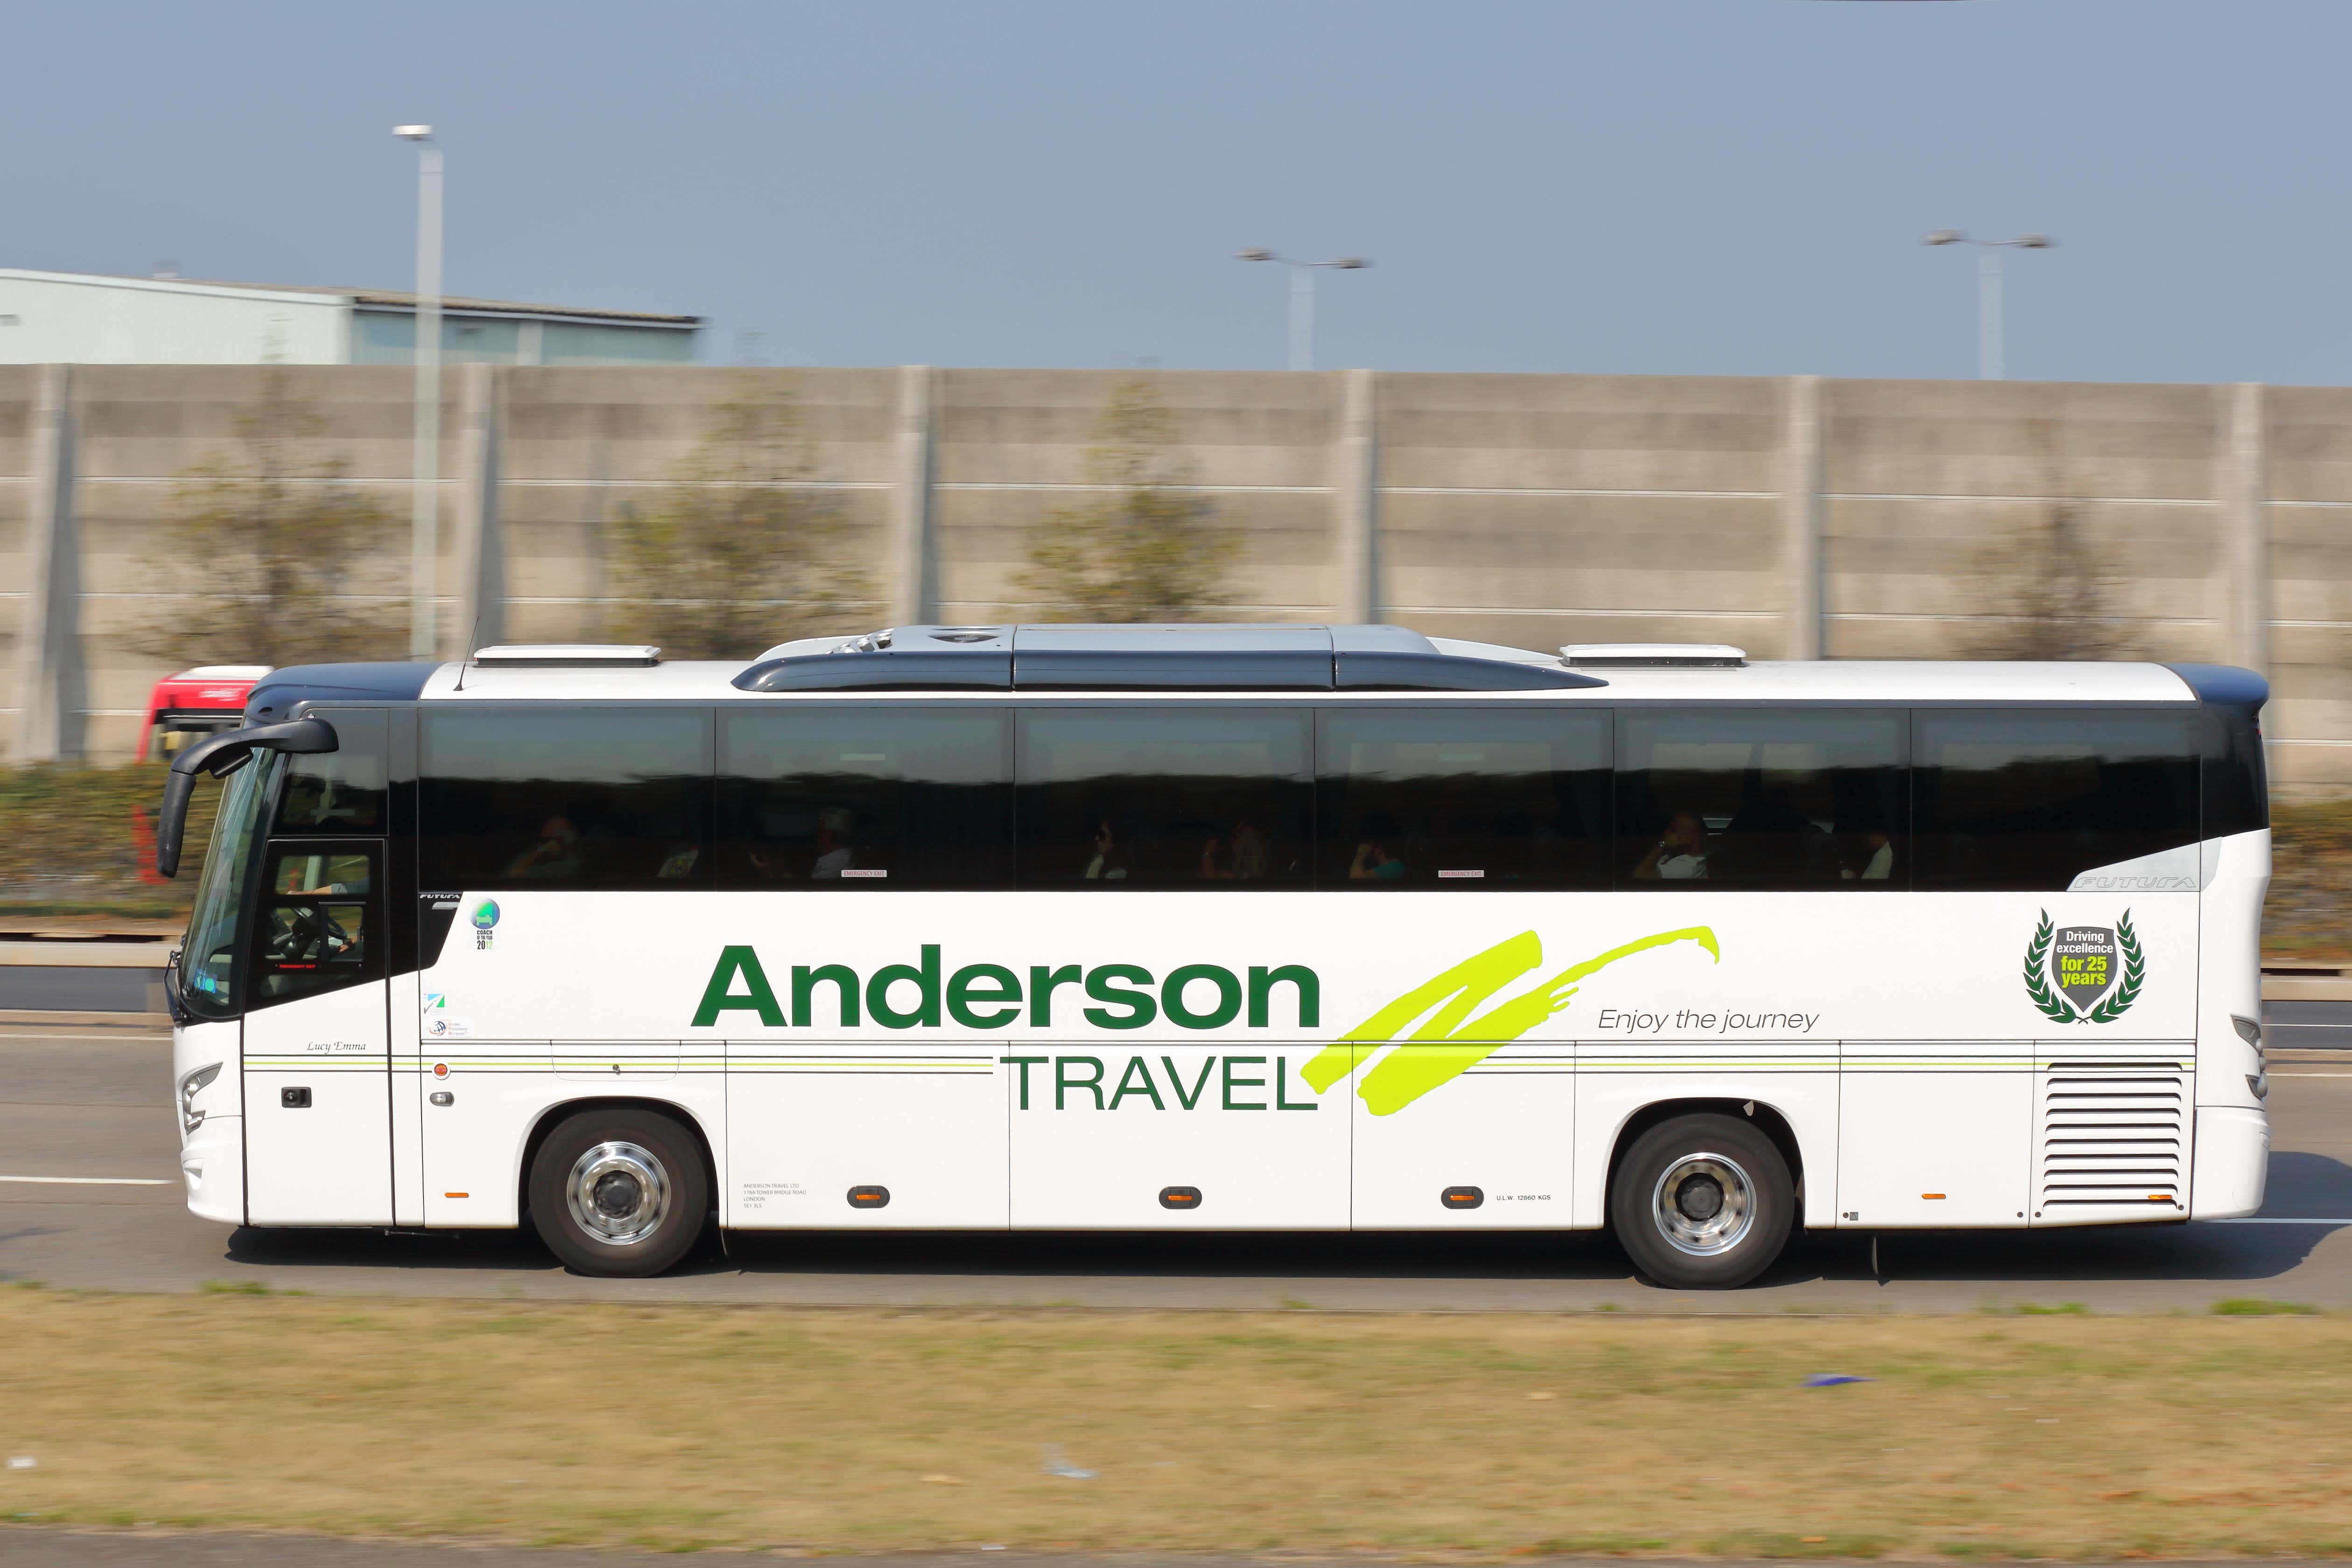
(173, 1003)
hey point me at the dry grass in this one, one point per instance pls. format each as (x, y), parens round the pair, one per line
(684, 1426)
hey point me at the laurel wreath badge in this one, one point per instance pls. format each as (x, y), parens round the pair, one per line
(2113, 1006)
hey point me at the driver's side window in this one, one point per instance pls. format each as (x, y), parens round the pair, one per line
(318, 922)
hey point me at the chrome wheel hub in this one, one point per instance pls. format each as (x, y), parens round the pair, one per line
(619, 1192)
(1704, 1204)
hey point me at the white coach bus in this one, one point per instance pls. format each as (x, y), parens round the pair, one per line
(1264, 927)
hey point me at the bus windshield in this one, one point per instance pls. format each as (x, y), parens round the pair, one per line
(209, 966)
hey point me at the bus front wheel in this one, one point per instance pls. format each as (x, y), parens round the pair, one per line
(1703, 1203)
(621, 1194)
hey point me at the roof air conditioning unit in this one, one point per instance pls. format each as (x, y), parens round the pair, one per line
(566, 655)
(1652, 655)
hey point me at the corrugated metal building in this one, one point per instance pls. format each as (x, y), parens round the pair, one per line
(70, 317)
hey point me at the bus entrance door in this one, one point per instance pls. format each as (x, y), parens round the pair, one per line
(318, 1087)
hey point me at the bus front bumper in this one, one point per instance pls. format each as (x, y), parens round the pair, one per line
(212, 1161)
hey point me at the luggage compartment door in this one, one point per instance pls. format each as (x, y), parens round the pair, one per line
(1936, 1141)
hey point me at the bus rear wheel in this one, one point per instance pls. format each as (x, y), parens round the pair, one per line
(619, 1194)
(1703, 1203)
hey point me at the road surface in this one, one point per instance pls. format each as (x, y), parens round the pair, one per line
(83, 1110)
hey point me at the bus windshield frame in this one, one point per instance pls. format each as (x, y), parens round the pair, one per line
(211, 963)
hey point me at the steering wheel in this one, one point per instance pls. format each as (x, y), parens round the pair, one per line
(299, 936)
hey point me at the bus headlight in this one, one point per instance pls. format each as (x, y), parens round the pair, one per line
(191, 1083)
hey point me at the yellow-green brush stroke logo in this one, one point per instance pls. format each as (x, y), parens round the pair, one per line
(1405, 1076)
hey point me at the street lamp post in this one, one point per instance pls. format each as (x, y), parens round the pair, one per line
(424, 514)
(1302, 297)
(1989, 289)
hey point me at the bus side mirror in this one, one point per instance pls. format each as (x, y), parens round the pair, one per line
(221, 755)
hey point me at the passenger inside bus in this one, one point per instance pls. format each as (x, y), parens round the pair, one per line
(1109, 863)
(1680, 855)
(1865, 848)
(834, 853)
(555, 857)
(1239, 859)
(1879, 866)
(1374, 859)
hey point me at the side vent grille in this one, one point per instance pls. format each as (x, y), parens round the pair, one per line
(2112, 1144)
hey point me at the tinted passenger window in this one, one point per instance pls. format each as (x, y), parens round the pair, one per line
(591, 799)
(340, 791)
(2026, 799)
(1169, 797)
(845, 797)
(2236, 795)
(1466, 797)
(1761, 797)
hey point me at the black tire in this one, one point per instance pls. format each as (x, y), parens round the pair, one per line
(1723, 1217)
(642, 1193)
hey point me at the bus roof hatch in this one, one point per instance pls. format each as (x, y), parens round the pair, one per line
(1247, 657)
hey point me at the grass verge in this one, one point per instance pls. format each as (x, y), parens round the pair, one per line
(682, 1428)
(71, 842)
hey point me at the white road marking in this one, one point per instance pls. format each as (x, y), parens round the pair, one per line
(96, 1180)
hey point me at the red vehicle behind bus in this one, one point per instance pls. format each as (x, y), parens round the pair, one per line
(194, 703)
(184, 708)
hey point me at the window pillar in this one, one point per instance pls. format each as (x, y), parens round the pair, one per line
(2245, 526)
(913, 592)
(1358, 492)
(482, 549)
(1802, 520)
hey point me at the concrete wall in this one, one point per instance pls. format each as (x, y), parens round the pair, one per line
(19, 387)
(1795, 517)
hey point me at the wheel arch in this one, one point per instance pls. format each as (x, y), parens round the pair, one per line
(554, 1115)
(1770, 1119)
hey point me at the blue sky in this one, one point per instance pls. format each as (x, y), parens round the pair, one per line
(1675, 186)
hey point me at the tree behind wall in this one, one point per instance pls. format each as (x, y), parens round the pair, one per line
(274, 556)
(2044, 589)
(738, 554)
(1149, 549)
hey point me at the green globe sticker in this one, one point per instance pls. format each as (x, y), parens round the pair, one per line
(485, 914)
